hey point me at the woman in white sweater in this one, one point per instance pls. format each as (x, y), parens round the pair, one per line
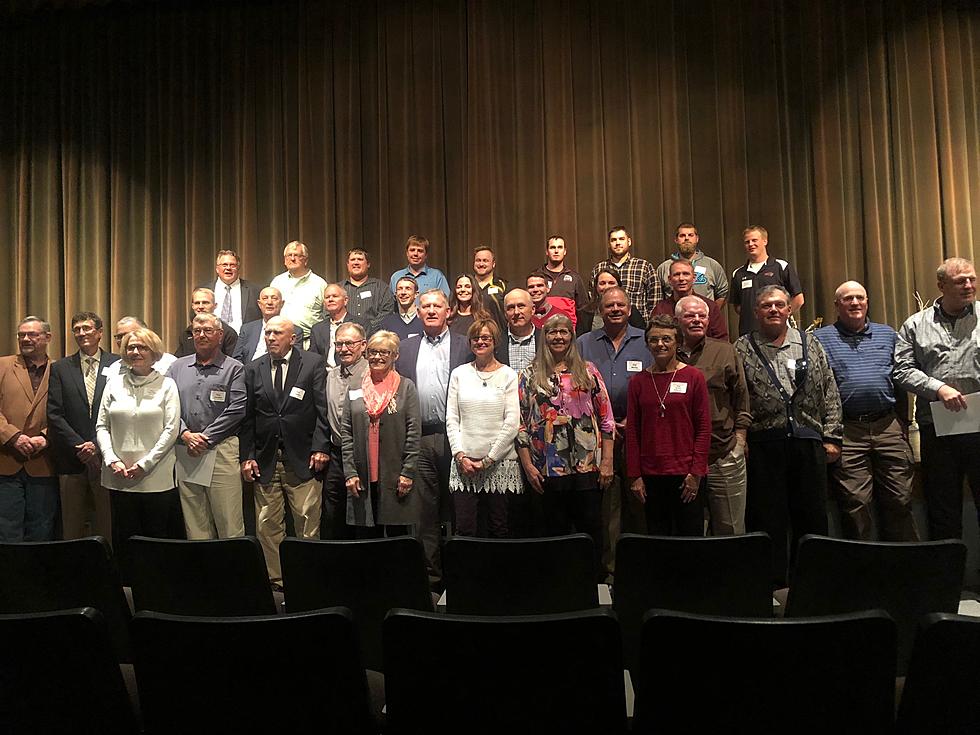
(482, 416)
(138, 424)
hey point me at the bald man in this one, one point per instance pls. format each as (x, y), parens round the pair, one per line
(876, 460)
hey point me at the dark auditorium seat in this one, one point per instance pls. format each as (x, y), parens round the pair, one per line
(292, 673)
(370, 577)
(703, 673)
(908, 580)
(715, 575)
(59, 674)
(496, 674)
(943, 682)
(519, 576)
(220, 577)
(58, 575)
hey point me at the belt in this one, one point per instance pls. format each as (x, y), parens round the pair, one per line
(867, 418)
(428, 429)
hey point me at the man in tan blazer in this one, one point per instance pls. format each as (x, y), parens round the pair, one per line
(28, 484)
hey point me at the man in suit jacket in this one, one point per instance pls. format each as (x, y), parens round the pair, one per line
(520, 340)
(28, 486)
(285, 439)
(74, 393)
(427, 360)
(202, 302)
(235, 298)
(322, 333)
(251, 340)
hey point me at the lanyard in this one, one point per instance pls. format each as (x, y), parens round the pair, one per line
(799, 379)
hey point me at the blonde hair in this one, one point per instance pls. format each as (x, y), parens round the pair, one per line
(385, 340)
(148, 337)
(544, 363)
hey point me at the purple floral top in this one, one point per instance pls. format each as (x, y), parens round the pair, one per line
(563, 428)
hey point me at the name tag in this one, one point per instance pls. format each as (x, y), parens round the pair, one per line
(107, 370)
(791, 364)
(355, 394)
(633, 366)
(413, 334)
(218, 396)
(566, 277)
(297, 393)
(364, 294)
(678, 387)
(747, 283)
(493, 289)
(700, 269)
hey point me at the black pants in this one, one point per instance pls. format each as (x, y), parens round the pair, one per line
(946, 460)
(142, 514)
(666, 513)
(467, 508)
(787, 491)
(333, 516)
(432, 485)
(573, 504)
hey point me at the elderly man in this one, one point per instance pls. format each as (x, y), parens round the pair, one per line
(369, 299)
(638, 276)
(301, 288)
(322, 334)
(876, 454)
(349, 343)
(251, 340)
(28, 485)
(796, 427)
(427, 360)
(285, 439)
(761, 270)
(234, 296)
(405, 320)
(730, 416)
(681, 280)
(517, 348)
(619, 351)
(546, 306)
(202, 302)
(936, 359)
(74, 393)
(427, 277)
(211, 387)
(710, 280)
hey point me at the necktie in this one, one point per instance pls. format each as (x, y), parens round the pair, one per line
(226, 306)
(91, 375)
(277, 379)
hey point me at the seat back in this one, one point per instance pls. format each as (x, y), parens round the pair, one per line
(214, 577)
(58, 575)
(519, 576)
(297, 673)
(908, 580)
(497, 674)
(713, 674)
(59, 674)
(370, 577)
(719, 575)
(940, 692)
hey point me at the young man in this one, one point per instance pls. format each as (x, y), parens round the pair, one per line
(427, 277)
(405, 321)
(710, 280)
(638, 276)
(759, 271)
(564, 281)
(546, 306)
(369, 300)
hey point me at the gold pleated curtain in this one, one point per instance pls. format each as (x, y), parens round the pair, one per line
(137, 139)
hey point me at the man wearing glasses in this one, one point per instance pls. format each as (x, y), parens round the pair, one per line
(202, 302)
(211, 387)
(349, 342)
(123, 327)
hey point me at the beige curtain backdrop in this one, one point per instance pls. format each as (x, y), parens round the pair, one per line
(137, 138)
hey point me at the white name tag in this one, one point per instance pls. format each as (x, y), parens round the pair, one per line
(297, 393)
(355, 394)
(633, 366)
(678, 387)
(218, 396)
(700, 269)
(566, 277)
(107, 370)
(365, 294)
(747, 283)
(493, 289)
(413, 334)
(791, 364)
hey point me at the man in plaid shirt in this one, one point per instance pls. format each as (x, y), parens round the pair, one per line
(638, 276)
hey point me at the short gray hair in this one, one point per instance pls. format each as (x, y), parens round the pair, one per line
(45, 324)
(952, 266)
(679, 307)
(209, 319)
(767, 290)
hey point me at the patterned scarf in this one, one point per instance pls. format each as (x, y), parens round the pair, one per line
(377, 396)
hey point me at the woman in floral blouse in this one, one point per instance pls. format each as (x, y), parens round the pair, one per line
(565, 440)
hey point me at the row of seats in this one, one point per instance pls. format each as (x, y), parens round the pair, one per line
(302, 672)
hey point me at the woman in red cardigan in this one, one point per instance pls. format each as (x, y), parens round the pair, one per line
(668, 432)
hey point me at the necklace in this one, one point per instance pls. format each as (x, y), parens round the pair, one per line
(663, 400)
(486, 377)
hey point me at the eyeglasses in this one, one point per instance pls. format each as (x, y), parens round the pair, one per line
(560, 332)
(29, 335)
(378, 353)
(655, 340)
(347, 344)
(137, 348)
(82, 329)
(198, 331)
(481, 339)
(117, 338)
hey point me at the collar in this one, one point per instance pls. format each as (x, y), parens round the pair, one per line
(300, 278)
(793, 336)
(614, 264)
(82, 357)
(437, 340)
(547, 308)
(285, 358)
(938, 306)
(631, 333)
(349, 282)
(32, 368)
(423, 271)
(514, 340)
(696, 350)
(234, 284)
(845, 332)
(338, 322)
(346, 372)
(768, 261)
(218, 361)
(676, 255)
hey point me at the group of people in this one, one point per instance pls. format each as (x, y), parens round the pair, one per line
(416, 406)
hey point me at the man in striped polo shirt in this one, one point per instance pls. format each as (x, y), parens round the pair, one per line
(875, 459)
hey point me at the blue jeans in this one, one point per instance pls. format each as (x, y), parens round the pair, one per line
(28, 507)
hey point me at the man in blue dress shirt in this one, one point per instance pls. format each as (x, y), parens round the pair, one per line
(427, 277)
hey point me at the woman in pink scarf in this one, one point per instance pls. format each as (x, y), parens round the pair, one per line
(380, 437)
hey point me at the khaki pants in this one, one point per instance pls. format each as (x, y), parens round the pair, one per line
(85, 507)
(726, 493)
(304, 503)
(215, 511)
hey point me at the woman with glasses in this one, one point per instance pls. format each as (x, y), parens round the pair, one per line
(137, 428)
(668, 434)
(482, 416)
(380, 435)
(565, 440)
(466, 304)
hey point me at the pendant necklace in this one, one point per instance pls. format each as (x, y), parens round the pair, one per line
(483, 377)
(663, 401)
